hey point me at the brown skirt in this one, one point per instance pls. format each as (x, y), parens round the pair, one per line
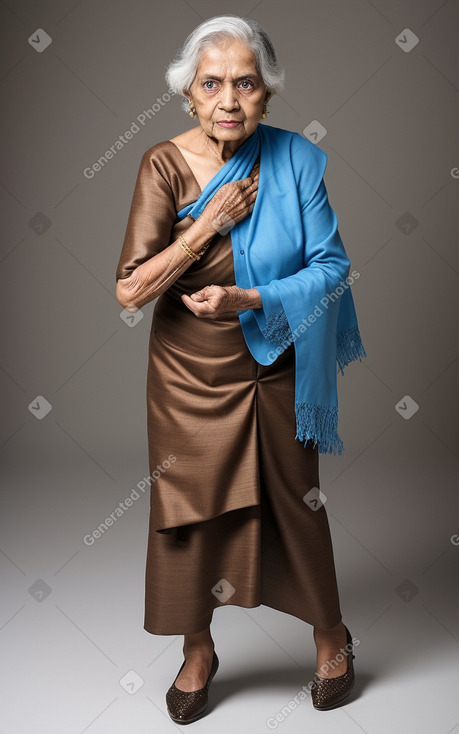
(228, 522)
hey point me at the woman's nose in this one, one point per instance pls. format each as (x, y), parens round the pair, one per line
(228, 97)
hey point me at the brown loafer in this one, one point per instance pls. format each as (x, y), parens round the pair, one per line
(186, 706)
(328, 693)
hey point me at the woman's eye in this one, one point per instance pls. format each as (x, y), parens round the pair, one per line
(208, 84)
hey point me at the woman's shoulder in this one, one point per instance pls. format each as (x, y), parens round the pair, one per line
(305, 156)
(163, 165)
(164, 158)
(292, 137)
(164, 150)
(171, 147)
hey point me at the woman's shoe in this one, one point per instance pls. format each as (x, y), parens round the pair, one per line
(328, 693)
(186, 706)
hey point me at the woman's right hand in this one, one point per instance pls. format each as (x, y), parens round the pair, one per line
(231, 203)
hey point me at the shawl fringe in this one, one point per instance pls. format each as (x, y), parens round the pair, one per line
(277, 329)
(319, 424)
(349, 347)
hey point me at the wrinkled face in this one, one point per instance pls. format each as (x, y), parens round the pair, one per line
(226, 87)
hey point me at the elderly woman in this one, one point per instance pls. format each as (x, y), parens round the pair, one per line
(231, 229)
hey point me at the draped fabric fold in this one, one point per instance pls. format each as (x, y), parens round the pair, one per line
(289, 249)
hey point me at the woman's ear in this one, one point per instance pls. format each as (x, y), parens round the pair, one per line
(186, 93)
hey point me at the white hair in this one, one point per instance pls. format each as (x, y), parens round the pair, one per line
(182, 70)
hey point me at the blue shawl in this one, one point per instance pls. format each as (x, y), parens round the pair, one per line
(290, 250)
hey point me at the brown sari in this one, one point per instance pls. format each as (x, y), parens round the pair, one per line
(228, 523)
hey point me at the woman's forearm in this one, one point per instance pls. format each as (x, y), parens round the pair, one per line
(248, 298)
(150, 279)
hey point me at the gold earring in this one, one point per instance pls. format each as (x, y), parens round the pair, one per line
(192, 111)
(263, 114)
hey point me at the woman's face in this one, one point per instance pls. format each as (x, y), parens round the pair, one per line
(227, 86)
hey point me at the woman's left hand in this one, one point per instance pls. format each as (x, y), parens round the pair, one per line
(214, 301)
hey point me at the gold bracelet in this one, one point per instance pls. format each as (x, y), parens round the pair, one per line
(204, 248)
(185, 248)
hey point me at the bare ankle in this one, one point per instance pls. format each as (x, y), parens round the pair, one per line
(330, 630)
(197, 642)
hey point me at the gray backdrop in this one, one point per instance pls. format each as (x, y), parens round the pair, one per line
(381, 77)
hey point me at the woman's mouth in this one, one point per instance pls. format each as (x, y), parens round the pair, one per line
(228, 123)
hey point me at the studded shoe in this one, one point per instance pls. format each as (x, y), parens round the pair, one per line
(328, 693)
(186, 706)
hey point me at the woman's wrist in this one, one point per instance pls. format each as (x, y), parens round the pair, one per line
(201, 233)
(248, 298)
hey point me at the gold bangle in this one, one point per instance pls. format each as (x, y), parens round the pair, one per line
(185, 248)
